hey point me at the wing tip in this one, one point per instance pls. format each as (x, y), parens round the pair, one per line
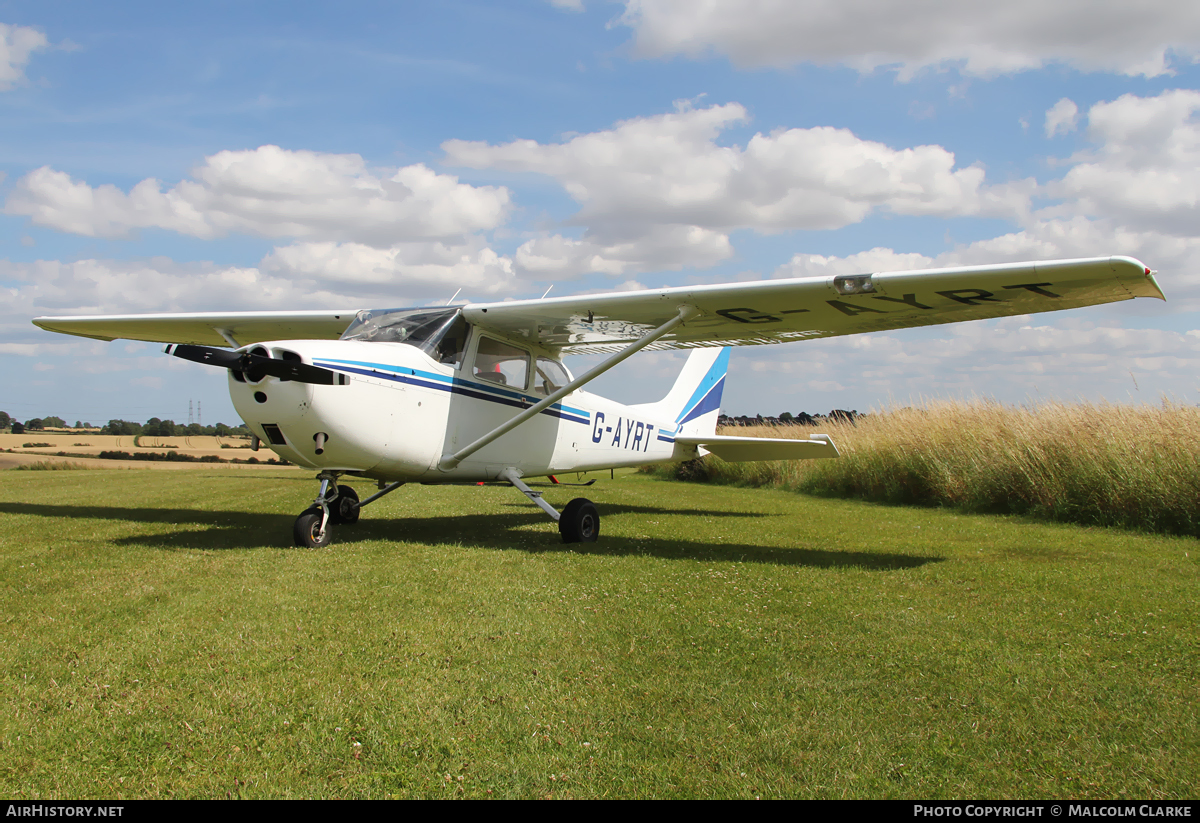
(47, 324)
(1137, 269)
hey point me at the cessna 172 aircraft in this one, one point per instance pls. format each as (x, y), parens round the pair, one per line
(478, 392)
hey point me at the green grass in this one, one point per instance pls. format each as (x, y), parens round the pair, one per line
(161, 640)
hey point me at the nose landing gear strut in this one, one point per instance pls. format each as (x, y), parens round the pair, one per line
(334, 505)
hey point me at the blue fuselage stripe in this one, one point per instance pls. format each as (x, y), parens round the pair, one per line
(440, 382)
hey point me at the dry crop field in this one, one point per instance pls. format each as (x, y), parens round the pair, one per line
(66, 449)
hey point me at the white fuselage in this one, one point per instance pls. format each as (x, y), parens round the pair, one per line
(401, 411)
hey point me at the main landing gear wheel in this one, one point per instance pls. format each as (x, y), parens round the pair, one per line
(579, 522)
(307, 530)
(344, 509)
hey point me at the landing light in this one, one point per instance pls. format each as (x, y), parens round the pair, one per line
(856, 284)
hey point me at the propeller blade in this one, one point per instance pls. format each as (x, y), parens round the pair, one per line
(255, 365)
(292, 370)
(206, 355)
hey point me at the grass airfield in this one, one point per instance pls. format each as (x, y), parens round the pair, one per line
(161, 639)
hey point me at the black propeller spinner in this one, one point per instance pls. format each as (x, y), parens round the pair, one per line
(256, 366)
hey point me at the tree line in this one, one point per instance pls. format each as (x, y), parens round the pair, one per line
(789, 419)
(154, 427)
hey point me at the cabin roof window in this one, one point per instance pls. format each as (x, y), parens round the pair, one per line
(440, 333)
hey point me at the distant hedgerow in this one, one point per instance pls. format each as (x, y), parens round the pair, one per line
(48, 466)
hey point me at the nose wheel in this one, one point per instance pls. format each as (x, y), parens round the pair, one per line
(309, 531)
(335, 506)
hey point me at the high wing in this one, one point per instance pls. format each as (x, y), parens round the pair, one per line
(206, 329)
(733, 314)
(777, 311)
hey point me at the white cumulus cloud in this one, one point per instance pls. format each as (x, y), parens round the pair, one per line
(670, 247)
(1062, 117)
(1145, 171)
(979, 37)
(864, 262)
(270, 192)
(665, 182)
(1017, 359)
(298, 276)
(411, 271)
(1135, 193)
(17, 44)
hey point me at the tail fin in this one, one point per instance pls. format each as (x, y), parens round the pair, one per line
(694, 402)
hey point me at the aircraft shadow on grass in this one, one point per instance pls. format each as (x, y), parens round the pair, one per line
(231, 530)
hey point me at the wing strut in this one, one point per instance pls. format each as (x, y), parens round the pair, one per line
(451, 461)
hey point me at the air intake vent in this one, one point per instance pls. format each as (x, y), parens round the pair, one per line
(254, 375)
(274, 434)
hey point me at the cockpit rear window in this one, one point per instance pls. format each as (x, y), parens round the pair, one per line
(440, 333)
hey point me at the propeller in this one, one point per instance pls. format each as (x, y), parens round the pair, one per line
(255, 366)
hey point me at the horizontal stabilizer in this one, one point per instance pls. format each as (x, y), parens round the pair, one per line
(745, 449)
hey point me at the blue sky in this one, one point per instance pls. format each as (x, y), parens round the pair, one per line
(161, 157)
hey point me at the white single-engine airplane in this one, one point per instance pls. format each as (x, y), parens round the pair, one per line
(478, 392)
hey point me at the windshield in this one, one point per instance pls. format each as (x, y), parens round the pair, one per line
(440, 333)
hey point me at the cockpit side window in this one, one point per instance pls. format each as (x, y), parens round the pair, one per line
(548, 377)
(453, 343)
(500, 363)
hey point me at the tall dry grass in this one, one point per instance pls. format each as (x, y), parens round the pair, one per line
(1098, 464)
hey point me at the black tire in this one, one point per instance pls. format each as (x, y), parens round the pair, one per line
(580, 522)
(306, 528)
(344, 509)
